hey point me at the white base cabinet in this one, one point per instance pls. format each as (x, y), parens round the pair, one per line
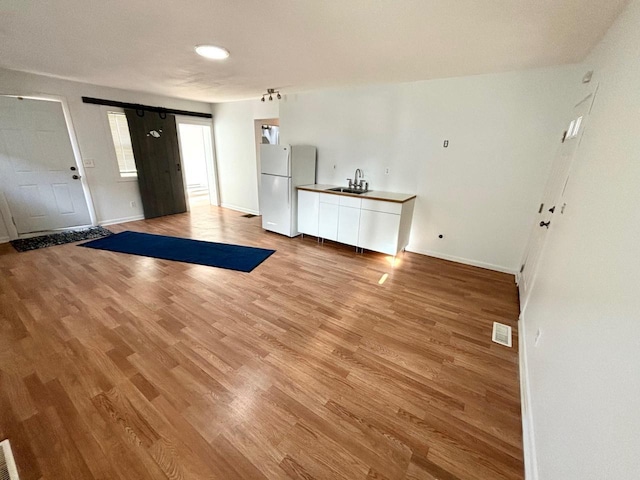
(328, 221)
(348, 225)
(379, 231)
(308, 202)
(381, 226)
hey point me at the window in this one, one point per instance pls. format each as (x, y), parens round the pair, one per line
(122, 143)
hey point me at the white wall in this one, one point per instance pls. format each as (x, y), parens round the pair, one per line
(482, 191)
(235, 144)
(584, 376)
(111, 194)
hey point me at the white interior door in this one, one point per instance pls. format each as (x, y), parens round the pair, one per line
(39, 175)
(552, 204)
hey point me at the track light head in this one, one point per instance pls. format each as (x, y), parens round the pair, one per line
(270, 93)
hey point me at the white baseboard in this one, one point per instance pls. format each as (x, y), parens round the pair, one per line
(465, 261)
(528, 439)
(5, 239)
(239, 209)
(113, 221)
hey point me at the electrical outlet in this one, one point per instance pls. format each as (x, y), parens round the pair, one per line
(386, 171)
(537, 339)
(132, 204)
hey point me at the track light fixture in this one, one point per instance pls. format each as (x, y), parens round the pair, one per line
(271, 92)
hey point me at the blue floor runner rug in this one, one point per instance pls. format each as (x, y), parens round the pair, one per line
(223, 255)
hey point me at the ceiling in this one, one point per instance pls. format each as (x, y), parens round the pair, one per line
(293, 45)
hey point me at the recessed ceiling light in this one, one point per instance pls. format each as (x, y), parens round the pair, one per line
(212, 52)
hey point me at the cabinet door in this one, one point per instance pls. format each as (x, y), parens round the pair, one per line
(348, 225)
(308, 206)
(379, 231)
(328, 221)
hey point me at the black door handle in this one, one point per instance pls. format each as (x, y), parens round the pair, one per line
(545, 224)
(75, 177)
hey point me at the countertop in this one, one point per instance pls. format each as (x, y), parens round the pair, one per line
(371, 194)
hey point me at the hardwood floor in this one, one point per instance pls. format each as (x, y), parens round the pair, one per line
(115, 366)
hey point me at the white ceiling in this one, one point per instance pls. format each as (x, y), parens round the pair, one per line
(293, 45)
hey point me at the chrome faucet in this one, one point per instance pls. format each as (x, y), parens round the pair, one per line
(358, 184)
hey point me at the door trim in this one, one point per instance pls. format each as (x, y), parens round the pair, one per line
(75, 147)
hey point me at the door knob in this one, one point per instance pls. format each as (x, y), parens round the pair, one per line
(73, 169)
(75, 177)
(545, 224)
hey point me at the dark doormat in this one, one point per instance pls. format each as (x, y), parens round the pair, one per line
(212, 254)
(249, 215)
(26, 244)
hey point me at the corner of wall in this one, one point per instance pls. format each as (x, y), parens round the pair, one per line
(528, 438)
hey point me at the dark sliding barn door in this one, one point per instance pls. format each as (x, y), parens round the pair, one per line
(155, 149)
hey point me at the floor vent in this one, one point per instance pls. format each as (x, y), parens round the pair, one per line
(501, 334)
(8, 470)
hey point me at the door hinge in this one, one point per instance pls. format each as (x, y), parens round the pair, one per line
(522, 267)
(14, 221)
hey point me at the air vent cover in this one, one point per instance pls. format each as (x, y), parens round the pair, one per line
(501, 334)
(8, 470)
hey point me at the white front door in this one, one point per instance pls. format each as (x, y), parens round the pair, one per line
(38, 172)
(552, 204)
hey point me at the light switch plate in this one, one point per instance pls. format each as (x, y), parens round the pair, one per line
(88, 162)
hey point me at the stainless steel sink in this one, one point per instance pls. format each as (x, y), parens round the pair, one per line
(346, 190)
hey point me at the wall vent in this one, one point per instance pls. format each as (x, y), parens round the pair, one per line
(501, 334)
(8, 470)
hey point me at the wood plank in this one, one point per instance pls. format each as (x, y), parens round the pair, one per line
(117, 366)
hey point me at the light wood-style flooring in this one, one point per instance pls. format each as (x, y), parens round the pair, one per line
(115, 366)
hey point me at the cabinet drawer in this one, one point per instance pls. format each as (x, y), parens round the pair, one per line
(344, 201)
(329, 198)
(381, 206)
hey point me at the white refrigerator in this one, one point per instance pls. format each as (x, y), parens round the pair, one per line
(283, 168)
